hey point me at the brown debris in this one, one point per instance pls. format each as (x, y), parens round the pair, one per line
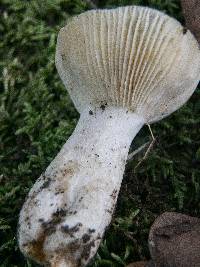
(86, 238)
(87, 250)
(114, 194)
(70, 231)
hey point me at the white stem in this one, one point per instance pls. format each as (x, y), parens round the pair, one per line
(69, 207)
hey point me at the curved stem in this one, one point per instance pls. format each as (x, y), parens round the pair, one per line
(70, 206)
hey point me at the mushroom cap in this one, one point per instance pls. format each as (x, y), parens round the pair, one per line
(132, 57)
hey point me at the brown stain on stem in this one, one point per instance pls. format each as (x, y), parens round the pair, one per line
(35, 248)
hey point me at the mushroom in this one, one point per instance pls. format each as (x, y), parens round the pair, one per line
(123, 68)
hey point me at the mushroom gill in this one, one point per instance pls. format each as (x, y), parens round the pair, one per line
(132, 57)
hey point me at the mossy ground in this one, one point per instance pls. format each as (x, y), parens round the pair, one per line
(37, 116)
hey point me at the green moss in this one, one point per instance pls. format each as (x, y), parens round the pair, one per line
(37, 116)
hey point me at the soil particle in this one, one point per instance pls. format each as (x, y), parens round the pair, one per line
(91, 112)
(80, 199)
(72, 212)
(60, 213)
(109, 211)
(185, 30)
(65, 228)
(103, 107)
(36, 202)
(69, 169)
(59, 191)
(114, 194)
(91, 230)
(63, 56)
(47, 181)
(86, 238)
(29, 225)
(99, 236)
(46, 184)
(70, 231)
(86, 250)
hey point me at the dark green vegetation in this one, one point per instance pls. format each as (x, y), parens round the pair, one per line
(37, 116)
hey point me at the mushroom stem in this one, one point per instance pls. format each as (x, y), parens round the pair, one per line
(71, 205)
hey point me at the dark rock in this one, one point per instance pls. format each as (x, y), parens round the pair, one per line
(174, 240)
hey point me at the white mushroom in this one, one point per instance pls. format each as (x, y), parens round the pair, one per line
(122, 68)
